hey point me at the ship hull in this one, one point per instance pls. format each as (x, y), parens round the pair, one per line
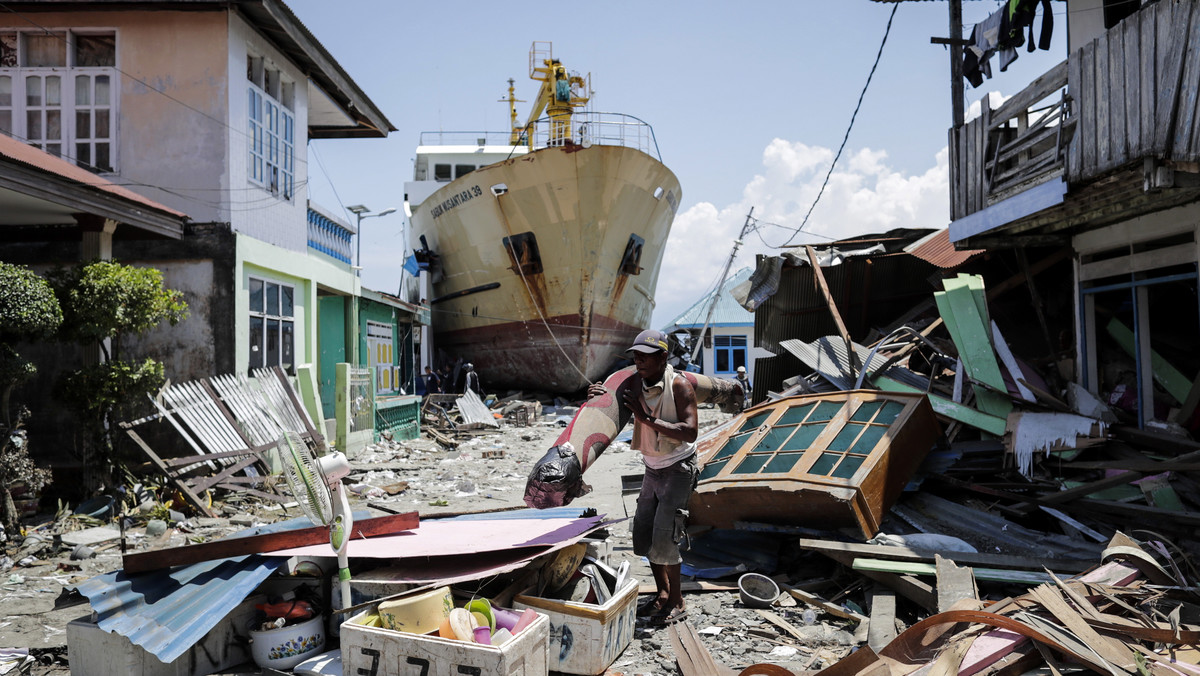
(536, 286)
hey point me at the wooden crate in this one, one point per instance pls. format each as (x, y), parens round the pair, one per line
(586, 638)
(372, 651)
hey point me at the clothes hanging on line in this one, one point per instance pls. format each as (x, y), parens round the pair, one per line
(1003, 31)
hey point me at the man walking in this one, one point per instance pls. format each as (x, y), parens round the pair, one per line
(744, 381)
(433, 384)
(663, 405)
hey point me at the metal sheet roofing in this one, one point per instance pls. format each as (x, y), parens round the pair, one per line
(727, 311)
(168, 611)
(828, 356)
(939, 250)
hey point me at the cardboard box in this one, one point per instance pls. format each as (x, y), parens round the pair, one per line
(372, 651)
(95, 652)
(586, 638)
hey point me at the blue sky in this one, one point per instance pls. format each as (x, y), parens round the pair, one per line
(748, 101)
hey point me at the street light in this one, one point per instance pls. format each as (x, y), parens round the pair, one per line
(363, 212)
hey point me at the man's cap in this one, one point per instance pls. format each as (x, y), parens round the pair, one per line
(649, 341)
(741, 369)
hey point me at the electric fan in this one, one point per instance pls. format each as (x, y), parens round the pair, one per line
(316, 484)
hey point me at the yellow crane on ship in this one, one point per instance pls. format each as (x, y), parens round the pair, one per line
(560, 94)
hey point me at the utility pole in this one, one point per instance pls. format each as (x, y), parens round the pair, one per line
(737, 243)
(956, 61)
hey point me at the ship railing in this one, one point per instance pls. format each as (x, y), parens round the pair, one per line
(466, 138)
(587, 128)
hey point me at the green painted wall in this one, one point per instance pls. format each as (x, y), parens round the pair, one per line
(331, 343)
(402, 337)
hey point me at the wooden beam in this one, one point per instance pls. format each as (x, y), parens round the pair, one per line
(882, 628)
(889, 552)
(262, 544)
(912, 568)
(954, 583)
(920, 593)
(855, 367)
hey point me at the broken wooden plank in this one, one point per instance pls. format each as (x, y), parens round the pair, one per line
(1074, 524)
(815, 600)
(899, 553)
(963, 308)
(691, 655)
(1167, 376)
(954, 583)
(909, 587)
(855, 367)
(914, 568)
(1010, 362)
(782, 624)
(882, 628)
(262, 544)
(182, 485)
(1159, 493)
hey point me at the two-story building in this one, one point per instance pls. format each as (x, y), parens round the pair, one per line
(208, 109)
(1101, 155)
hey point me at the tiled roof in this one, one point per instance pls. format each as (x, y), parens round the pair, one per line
(24, 153)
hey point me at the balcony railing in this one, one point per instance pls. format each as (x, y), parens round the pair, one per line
(329, 237)
(1131, 94)
(1013, 148)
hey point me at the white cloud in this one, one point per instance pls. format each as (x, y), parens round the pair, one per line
(864, 195)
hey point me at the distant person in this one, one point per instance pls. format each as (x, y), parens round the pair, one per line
(472, 380)
(744, 381)
(447, 377)
(433, 382)
(663, 405)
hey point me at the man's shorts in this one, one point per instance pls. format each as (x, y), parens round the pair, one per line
(660, 518)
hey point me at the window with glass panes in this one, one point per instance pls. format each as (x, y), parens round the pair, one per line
(272, 324)
(58, 92)
(272, 157)
(828, 438)
(729, 353)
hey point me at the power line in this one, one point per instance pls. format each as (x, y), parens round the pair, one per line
(849, 127)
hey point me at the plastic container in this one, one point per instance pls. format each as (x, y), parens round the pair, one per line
(286, 647)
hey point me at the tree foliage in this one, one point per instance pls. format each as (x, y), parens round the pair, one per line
(28, 311)
(28, 308)
(108, 300)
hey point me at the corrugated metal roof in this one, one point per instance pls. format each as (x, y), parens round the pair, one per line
(727, 312)
(939, 250)
(167, 612)
(828, 356)
(870, 292)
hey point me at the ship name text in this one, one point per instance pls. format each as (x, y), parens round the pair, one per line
(456, 200)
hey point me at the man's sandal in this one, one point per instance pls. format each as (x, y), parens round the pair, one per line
(651, 608)
(671, 617)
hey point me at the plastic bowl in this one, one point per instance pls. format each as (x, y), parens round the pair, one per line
(285, 647)
(757, 590)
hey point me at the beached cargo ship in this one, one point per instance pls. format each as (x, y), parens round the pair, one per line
(544, 244)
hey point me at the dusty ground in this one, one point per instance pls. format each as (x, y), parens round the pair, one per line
(462, 480)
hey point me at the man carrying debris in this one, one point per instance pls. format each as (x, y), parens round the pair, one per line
(663, 405)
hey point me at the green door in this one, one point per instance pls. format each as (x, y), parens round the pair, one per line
(331, 342)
